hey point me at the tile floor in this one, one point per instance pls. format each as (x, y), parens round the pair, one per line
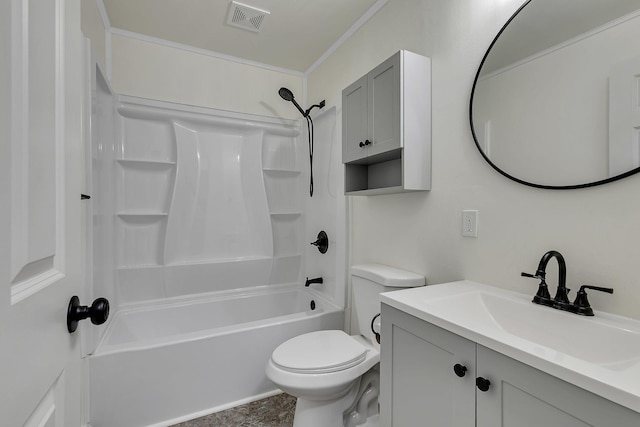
(276, 411)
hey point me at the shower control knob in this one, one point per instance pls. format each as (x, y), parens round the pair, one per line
(98, 312)
(361, 144)
(460, 370)
(322, 243)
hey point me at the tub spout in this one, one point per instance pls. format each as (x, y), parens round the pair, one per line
(312, 281)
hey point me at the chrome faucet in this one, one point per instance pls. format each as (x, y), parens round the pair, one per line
(542, 297)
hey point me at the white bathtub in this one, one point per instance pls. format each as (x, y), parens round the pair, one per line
(160, 365)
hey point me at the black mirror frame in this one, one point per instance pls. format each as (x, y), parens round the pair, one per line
(493, 165)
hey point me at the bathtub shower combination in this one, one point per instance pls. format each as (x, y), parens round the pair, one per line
(208, 262)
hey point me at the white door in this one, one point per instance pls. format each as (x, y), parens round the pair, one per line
(624, 117)
(40, 184)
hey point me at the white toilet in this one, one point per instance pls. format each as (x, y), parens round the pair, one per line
(335, 376)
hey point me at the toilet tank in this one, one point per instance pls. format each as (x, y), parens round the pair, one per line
(368, 281)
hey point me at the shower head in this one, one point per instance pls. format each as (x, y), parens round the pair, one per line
(287, 95)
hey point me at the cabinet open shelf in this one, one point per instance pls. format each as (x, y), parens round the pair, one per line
(375, 174)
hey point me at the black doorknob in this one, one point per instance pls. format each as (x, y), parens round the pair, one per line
(482, 384)
(460, 370)
(98, 312)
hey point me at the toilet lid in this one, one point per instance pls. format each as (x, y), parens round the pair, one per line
(319, 352)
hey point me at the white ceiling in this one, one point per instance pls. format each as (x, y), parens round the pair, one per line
(294, 35)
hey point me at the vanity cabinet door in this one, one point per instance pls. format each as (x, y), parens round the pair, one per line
(418, 385)
(522, 396)
(354, 123)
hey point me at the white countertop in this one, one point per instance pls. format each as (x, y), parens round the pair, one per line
(600, 354)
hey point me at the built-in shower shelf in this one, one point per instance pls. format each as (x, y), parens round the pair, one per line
(291, 258)
(282, 172)
(285, 214)
(141, 216)
(150, 267)
(142, 163)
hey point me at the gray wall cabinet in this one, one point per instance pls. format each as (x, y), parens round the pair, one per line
(386, 127)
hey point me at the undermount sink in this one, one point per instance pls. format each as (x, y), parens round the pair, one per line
(596, 340)
(600, 354)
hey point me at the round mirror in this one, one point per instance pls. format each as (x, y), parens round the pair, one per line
(556, 99)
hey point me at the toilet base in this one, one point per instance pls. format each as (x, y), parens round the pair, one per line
(311, 413)
(373, 421)
(309, 418)
(358, 407)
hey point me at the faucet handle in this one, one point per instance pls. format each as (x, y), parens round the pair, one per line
(581, 304)
(542, 296)
(596, 288)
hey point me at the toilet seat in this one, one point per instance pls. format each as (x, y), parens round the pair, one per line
(319, 352)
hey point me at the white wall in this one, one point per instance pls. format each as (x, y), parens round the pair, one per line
(595, 229)
(150, 70)
(326, 209)
(94, 29)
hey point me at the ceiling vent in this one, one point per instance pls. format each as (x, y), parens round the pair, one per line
(246, 17)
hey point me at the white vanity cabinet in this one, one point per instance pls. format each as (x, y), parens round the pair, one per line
(419, 386)
(386, 127)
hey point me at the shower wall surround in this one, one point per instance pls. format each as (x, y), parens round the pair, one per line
(205, 201)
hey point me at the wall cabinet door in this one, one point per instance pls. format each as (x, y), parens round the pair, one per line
(354, 112)
(383, 106)
(418, 384)
(371, 112)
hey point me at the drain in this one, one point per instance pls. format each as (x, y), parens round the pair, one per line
(312, 305)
